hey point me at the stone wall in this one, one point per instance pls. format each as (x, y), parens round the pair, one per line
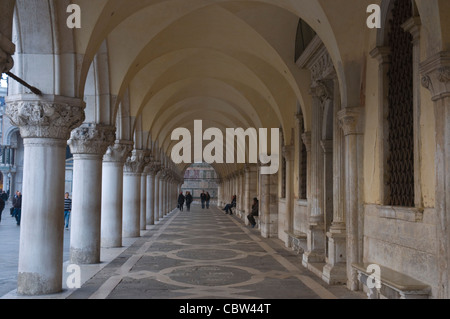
(403, 240)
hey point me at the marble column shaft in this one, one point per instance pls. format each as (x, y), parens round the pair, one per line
(112, 193)
(88, 144)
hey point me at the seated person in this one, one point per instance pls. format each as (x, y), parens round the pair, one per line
(254, 213)
(229, 206)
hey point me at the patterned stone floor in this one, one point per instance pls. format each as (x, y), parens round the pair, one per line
(206, 254)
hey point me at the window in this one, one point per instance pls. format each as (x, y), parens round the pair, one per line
(302, 162)
(400, 115)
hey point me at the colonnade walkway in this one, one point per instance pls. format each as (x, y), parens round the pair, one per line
(201, 254)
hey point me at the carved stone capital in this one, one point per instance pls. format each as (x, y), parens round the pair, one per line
(349, 119)
(47, 116)
(382, 54)
(436, 75)
(92, 139)
(118, 152)
(323, 90)
(137, 162)
(288, 152)
(152, 168)
(306, 138)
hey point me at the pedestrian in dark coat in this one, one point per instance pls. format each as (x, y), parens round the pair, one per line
(189, 200)
(181, 200)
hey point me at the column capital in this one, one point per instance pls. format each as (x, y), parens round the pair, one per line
(382, 54)
(306, 138)
(92, 138)
(288, 152)
(46, 116)
(349, 119)
(436, 75)
(118, 152)
(137, 161)
(323, 90)
(412, 26)
(153, 168)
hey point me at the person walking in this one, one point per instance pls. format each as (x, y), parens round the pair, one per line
(181, 200)
(203, 199)
(17, 204)
(189, 200)
(254, 213)
(67, 210)
(208, 199)
(12, 206)
(2, 204)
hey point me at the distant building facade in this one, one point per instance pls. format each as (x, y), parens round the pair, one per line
(199, 177)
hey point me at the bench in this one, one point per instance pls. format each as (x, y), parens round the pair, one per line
(392, 284)
(298, 241)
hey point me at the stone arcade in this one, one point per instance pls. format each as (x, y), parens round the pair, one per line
(364, 118)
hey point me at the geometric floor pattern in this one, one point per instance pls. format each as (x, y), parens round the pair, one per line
(206, 254)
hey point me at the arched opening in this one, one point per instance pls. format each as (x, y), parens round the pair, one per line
(200, 177)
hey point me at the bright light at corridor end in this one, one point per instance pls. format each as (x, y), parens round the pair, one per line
(214, 151)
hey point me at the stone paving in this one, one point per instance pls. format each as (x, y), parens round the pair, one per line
(203, 254)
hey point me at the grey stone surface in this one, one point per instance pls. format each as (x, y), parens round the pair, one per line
(202, 254)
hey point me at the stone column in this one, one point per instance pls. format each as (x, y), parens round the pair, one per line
(436, 78)
(150, 203)
(45, 124)
(219, 193)
(350, 119)
(112, 193)
(335, 272)
(167, 194)
(143, 196)
(131, 193)
(327, 147)
(162, 176)
(288, 153)
(88, 144)
(269, 205)
(156, 194)
(316, 231)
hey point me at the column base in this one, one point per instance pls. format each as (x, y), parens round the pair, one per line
(111, 243)
(315, 245)
(335, 274)
(32, 284)
(84, 257)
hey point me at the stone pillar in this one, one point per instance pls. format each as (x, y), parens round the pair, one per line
(335, 272)
(112, 193)
(269, 205)
(219, 193)
(156, 194)
(131, 193)
(316, 231)
(288, 153)
(150, 203)
(143, 221)
(350, 119)
(45, 124)
(162, 176)
(88, 144)
(327, 147)
(436, 78)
